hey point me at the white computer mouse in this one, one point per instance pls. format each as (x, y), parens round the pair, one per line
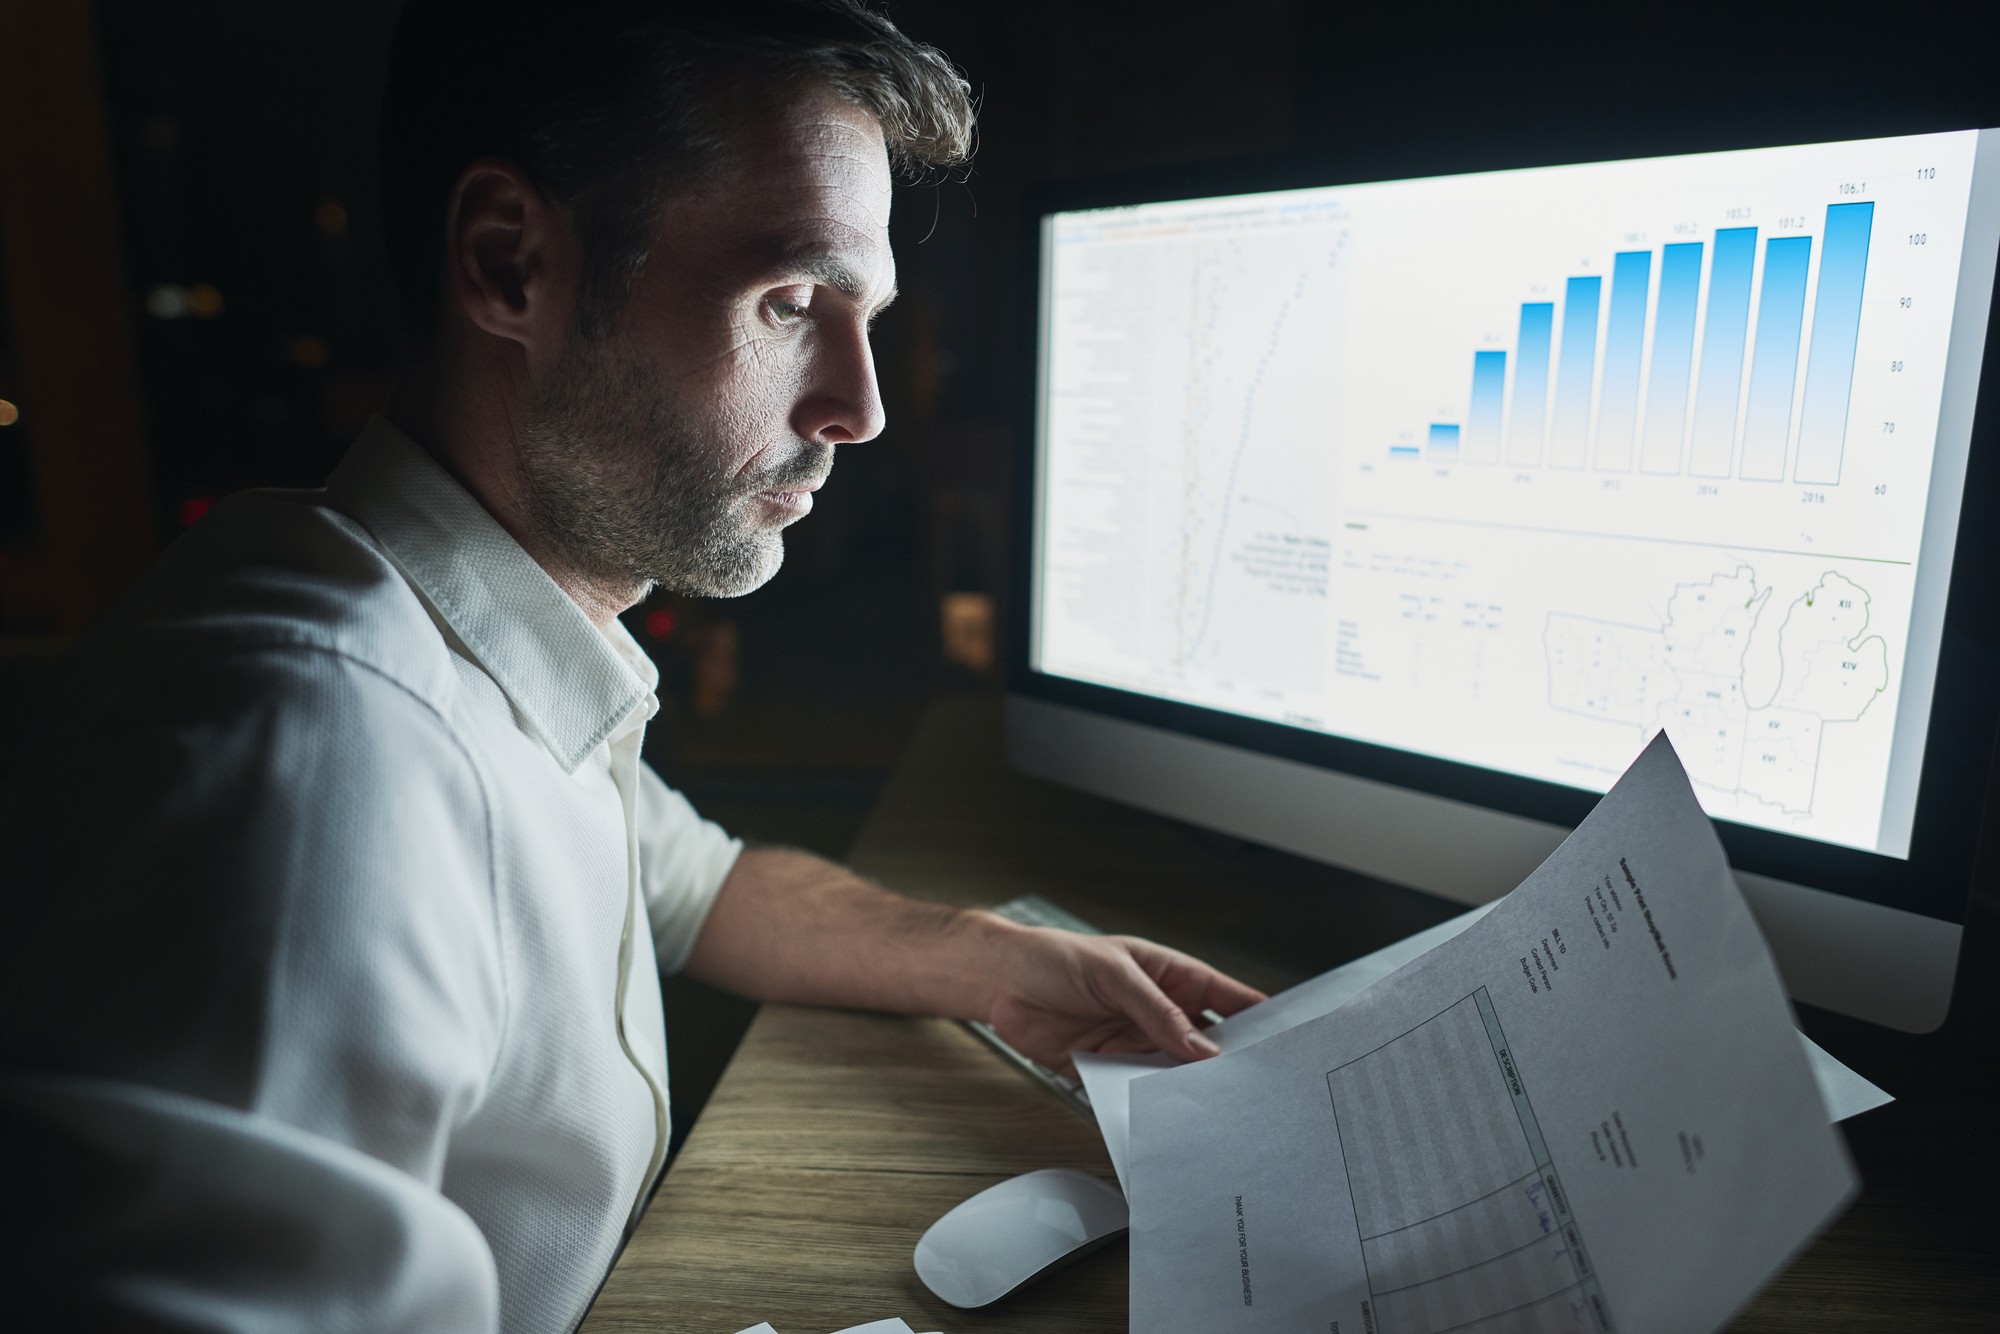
(1011, 1234)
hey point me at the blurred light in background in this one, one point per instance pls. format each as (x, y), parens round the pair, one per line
(718, 659)
(659, 624)
(308, 350)
(168, 301)
(193, 508)
(966, 623)
(171, 301)
(9, 414)
(331, 216)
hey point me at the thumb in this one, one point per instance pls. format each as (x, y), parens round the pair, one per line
(1158, 1017)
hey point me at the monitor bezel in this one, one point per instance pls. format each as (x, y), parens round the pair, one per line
(1959, 756)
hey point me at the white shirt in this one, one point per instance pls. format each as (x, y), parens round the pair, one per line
(336, 895)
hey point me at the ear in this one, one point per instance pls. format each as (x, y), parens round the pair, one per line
(510, 257)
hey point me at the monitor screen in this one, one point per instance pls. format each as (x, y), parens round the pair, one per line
(1510, 470)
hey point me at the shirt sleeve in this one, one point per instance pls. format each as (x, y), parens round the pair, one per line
(683, 861)
(251, 983)
(193, 1215)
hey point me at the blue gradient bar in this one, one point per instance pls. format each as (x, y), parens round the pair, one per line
(1624, 340)
(1774, 365)
(1569, 433)
(1489, 389)
(1722, 352)
(1403, 452)
(1843, 262)
(1673, 354)
(1443, 442)
(1531, 382)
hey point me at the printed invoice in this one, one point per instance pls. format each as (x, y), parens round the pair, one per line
(1587, 1111)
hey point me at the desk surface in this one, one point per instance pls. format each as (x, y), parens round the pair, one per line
(835, 1138)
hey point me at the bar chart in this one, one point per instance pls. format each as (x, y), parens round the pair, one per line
(1713, 358)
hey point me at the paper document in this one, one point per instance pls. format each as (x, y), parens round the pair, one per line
(1106, 1078)
(1586, 1111)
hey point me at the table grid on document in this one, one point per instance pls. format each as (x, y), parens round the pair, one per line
(1465, 1227)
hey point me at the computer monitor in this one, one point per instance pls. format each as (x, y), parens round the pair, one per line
(1386, 522)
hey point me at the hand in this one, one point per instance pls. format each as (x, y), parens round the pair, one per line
(1061, 992)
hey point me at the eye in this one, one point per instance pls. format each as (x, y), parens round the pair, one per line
(792, 306)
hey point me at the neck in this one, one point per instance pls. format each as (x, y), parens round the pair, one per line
(469, 416)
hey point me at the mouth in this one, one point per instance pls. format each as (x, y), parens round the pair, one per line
(792, 496)
(795, 501)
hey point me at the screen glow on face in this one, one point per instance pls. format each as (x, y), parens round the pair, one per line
(1516, 469)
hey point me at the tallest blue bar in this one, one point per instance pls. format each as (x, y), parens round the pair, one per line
(1836, 328)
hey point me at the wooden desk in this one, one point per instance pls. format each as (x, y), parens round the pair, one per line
(836, 1138)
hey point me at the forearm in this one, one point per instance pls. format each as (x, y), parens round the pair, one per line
(790, 926)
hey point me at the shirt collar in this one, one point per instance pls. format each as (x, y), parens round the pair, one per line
(573, 686)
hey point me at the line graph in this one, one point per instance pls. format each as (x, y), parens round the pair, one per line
(1238, 534)
(1191, 639)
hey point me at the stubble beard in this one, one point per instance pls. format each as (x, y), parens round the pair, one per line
(625, 488)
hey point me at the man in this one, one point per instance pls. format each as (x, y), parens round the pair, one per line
(338, 891)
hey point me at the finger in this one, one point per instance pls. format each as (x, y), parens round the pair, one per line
(1052, 1045)
(1225, 995)
(1125, 1040)
(1103, 1037)
(1130, 1041)
(1192, 984)
(1140, 998)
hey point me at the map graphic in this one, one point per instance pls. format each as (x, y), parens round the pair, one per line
(1745, 688)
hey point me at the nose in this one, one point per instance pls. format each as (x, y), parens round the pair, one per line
(842, 404)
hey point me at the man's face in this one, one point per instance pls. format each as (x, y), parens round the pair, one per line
(675, 448)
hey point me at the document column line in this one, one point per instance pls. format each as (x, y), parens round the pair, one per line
(1432, 1218)
(1531, 1131)
(1340, 1142)
(1466, 1269)
(1480, 1320)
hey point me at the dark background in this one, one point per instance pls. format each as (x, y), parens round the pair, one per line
(187, 196)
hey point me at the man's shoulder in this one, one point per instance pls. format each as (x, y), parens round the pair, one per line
(270, 687)
(265, 573)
